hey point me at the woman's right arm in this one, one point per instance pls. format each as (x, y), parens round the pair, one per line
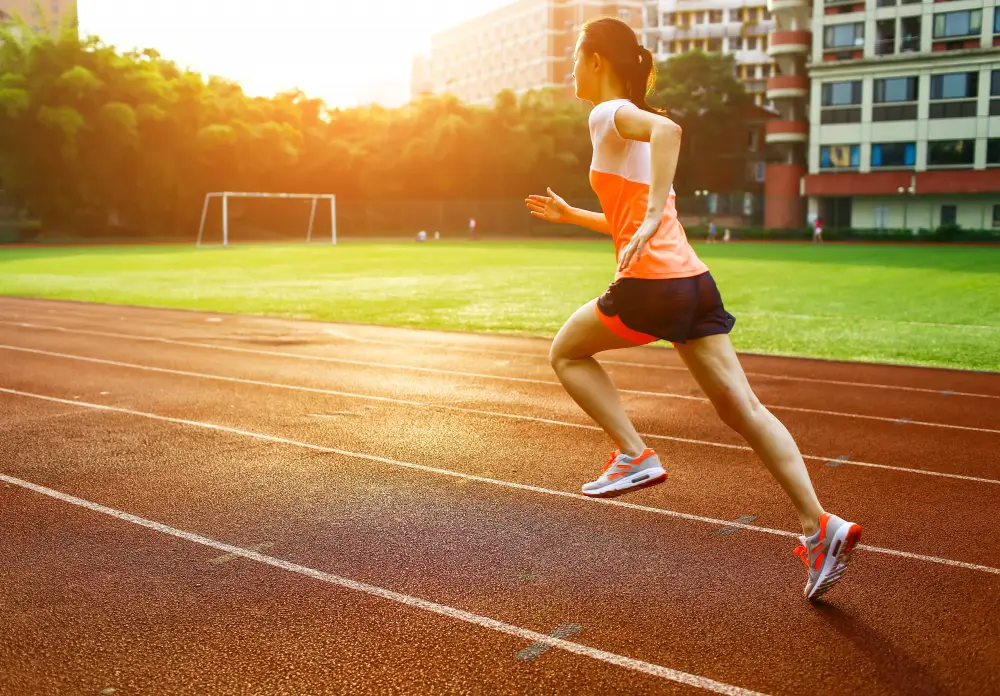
(555, 209)
(590, 220)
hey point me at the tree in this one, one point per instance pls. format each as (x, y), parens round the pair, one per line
(701, 93)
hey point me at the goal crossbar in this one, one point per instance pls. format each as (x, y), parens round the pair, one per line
(226, 195)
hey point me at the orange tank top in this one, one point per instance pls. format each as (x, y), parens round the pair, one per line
(620, 176)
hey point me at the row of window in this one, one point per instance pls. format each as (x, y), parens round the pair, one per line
(747, 43)
(940, 153)
(684, 20)
(960, 85)
(947, 25)
(949, 215)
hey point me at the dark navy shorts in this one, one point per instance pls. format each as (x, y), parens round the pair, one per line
(644, 310)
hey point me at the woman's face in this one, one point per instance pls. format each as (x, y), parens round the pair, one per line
(585, 74)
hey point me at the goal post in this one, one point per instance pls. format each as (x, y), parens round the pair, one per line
(226, 195)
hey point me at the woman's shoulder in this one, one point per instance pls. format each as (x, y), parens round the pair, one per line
(602, 117)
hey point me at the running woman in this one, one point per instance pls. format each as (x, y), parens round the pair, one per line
(662, 290)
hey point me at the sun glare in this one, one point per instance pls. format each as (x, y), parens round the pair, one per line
(343, 52)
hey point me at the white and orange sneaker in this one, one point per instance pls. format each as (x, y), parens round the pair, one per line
(623, 474)
(826, 553)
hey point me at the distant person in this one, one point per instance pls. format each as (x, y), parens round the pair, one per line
(818, 231)
(472, 228)
(421, 236)
(662, 291)
(711, 232)
(726, 237)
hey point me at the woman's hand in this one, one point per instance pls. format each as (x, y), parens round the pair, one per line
(633, 252)
(550, 207)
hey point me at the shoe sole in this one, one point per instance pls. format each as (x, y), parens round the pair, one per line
(835, 565)
(644, 479)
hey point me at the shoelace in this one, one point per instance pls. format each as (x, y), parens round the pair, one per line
(611, 460)
(803, 553)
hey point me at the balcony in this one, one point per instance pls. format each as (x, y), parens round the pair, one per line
(786, 131)
(789, 42)
(787, 87)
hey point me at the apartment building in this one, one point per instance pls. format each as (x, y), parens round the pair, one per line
(889, 113)
(52, 11)
(522, 46)
(731, 27)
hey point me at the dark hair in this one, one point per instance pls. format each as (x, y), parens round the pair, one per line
(632, 62)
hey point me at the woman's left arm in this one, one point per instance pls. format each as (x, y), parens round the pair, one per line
(664, 138)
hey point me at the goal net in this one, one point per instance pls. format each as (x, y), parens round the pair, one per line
(253, 217)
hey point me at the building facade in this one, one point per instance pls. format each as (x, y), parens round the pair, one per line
(522, 46)
(52, 12)
(732, 27)
(889, 114)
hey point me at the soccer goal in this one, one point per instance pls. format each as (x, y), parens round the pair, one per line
(315, 198)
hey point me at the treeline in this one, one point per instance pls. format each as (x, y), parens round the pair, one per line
(92, 138)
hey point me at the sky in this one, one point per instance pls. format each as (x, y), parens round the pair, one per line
(343, 51)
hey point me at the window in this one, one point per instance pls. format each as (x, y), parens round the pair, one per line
(951, 152)
(955, 86)
(668, 19)
(844, 35)
(995, 79)
(996, 215)
(885, 37)
(895, 89)
(886, 3)
(736, 15)
(765, 71)
(996, 22)
(894, 154)
(624, 14)
(909, 28)
(881, 217)
(699, 17)
(957, 24)
(752, 14)
(715, 17)
(851, 115)
(714, 45)
(752, 43)
(840, 157)
(993, 151)
(949, 214)
(841, 93)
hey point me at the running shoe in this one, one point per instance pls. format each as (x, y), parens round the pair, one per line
(826, 553)
(623, 474)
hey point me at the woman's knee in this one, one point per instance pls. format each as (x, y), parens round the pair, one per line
(737, 409)
(560, 354)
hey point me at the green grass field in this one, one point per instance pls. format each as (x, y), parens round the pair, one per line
(899, 304)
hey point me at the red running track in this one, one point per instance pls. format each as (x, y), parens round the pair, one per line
(217, 504)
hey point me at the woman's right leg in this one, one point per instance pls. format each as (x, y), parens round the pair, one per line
(714, 364)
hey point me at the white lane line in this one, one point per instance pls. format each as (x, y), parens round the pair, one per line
(460, 409)
(534, 637)
(481, 351)
(483, 479)
(481, 375)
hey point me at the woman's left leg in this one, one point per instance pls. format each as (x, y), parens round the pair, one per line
(581, 337)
